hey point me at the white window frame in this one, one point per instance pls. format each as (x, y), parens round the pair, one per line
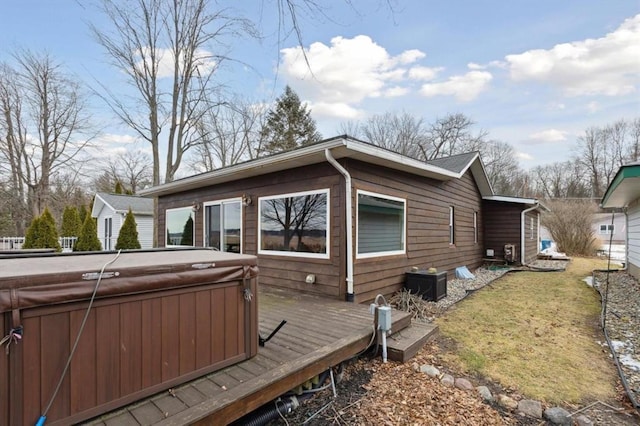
(221, 203)
(608, 229)
(404, 226)
(193, 215)
(475, 227)
(531, 228)
(325, 255)
(452, 225)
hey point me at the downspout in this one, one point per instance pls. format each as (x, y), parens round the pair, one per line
(523, 216)
(349, 221)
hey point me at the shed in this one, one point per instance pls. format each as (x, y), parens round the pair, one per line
(624, 192)
(110, 211)
(512, 221)
(340, 218)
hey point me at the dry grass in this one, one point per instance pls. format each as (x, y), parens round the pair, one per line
(536, 332)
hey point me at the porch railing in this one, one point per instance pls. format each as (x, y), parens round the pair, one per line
(15, 243)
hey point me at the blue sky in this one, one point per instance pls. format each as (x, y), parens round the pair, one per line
(535, 74)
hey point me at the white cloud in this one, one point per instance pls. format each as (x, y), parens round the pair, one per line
(523, 156)
(474, 66)
(394, 92)
(346, 71)
(335, 110)
(608, 65)
(550, 135)
(111, 138)
(424, 73)
(465, 87)
(593, 107)
(202, 58)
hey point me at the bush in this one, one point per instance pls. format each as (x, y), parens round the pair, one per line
(71, 223)
(570, 224)
(128, 236)
(42, 233)
(88, 238)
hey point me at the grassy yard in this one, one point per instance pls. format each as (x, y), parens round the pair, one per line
(535, 332)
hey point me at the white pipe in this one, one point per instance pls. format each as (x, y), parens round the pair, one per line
(349, 220)
(523, 216)
(384, 346)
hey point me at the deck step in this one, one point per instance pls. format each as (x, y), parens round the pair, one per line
(403, 345)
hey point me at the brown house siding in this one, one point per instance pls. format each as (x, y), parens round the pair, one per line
(277, 271)
(427, 233)
(502, 226)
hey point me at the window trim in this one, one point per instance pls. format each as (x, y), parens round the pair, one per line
(531, 228)
(608, 229)
(308, 255)
(193, 215)
(452, 226)
(404, 226)
(475, 227)
(221, 202)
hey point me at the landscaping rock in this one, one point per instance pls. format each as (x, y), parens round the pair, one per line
(507, 402)
(447, 380)
(530, 408)
(583, 420)
(485, 393)
(430, 370)
(558, 416)
(464, 384)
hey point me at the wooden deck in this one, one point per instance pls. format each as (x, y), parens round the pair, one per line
(319, 333)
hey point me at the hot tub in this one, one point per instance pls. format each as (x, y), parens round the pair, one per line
(159, 318)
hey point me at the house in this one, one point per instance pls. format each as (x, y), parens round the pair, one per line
(512, 221)
(340, 218)
(110, 211)
(624, 193)
(610, 227)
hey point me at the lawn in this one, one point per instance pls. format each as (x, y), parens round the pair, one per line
(537, 332)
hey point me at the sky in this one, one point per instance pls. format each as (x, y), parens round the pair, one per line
(535, 74)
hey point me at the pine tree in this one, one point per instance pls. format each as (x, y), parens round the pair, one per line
(187, 233)
(289, 125)
(82, 213)
(32, 234)
(118, 189)
(88, 238)
(70, 222)
(128, 236)
(49, 231)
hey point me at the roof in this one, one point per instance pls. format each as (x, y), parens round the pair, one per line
(122, 203)
(455, 163)
(624, 188)
(529, 202)
(338, 147)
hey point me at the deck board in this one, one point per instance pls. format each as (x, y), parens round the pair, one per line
(319, 333)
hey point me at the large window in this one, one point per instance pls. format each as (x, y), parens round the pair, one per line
(179, 227)
(222, 225)
(381, 225)
(295, 224)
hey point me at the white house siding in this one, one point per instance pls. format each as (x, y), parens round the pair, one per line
(633, 235)
(145, 231)
(144, 225)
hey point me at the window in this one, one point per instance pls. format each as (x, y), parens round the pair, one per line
(606, 229)
(531, 235)
(223, 225)
(475, 227)
(381, 225)
(452, 225)
(295, 224)
(179, 227)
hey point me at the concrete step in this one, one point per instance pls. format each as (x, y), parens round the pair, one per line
(403, 345)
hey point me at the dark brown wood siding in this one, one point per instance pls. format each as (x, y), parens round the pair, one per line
(531, 237)
(278, 271)
(501, 226)
(427, 233)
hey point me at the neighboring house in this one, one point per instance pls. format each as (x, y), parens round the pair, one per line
(110, 211)
(605, 230)
(340, 218)
(512, 221)
(624, 192)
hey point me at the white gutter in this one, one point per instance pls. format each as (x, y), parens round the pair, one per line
(522, 234)
(349, 220)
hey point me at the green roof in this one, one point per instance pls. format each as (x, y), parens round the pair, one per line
(624, 188)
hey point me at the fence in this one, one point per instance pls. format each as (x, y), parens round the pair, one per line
(15, 243)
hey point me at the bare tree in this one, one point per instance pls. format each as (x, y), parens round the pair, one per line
(451, 135)
(229, 134)
(633, 146)
(561, 180)
(501, 165)
(43, 126)
(166, 50)
(399, 132)
(130, 169)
